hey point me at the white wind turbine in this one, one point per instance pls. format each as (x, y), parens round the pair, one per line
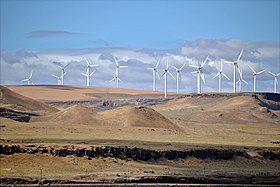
(117, 72)
(88, 74)
(275, 80)
(255, 76)
(166, 70)
(155, 72)
(178, 75)
(63, 72)
(58, 79)
(28, 80)
(220, 73)
(116, 79)
(240, 80)
(235, 65)
(199, 75)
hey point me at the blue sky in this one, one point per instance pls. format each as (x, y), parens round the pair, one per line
(148, 24)
(35, 34)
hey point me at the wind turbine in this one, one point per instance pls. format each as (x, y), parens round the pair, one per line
(255, 76)
(235, 65)
(166, 70)
(220, 73)
(29, 79)
(240, 80)
(199, 75)
(58, 79)
(155, 72)
(88, 74)
(117, 72)
(275, 80)
(178, 75)
(62, 72)
(116, 79)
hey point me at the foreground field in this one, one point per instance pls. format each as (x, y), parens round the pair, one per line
(142, 120)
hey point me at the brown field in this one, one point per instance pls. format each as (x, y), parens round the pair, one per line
(79, 116)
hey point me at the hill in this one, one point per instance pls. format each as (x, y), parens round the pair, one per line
(137, 116)
(15, 101)
(229, 108)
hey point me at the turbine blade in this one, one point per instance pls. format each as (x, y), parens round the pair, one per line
(202, 77)
(163, 73)
(244, 81)
(86, 60)
(112, 79)
(239, 71)
(277, 74)
(84, 74)
(204, 61)
(182, 66)
(251, 68)
(59, 66)
(123, 66)
(194, 66)
(93, 65)
(92, 73)
(55, 76)
(221, 65)
(158, 75)
(157, 63)
(31, 74)
(120, 80)
(66, 65)
(216, 75)
(240, 55)
(260, 72)
(272, 73)
(175, 68)
(225, 76)
(25, 80)
(151, 68)
(116, 61)
(171, 75)
(194, 72)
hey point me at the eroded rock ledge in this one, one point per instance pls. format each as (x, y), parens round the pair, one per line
(134, 153)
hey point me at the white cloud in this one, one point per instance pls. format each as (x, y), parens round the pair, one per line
(259, 55)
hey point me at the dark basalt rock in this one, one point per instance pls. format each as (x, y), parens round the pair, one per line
(134, 153)
(15, 115)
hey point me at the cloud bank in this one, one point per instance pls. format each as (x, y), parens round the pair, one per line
(259, 55)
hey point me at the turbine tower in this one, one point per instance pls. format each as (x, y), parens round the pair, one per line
(62, 72)
(155, 72)
(28, 80)
(88, 74)
(220, 74)
(240, 80)
(166, 70)
(255, 76)
(117, 72)
(275, 80)
(235, 65)
(199, 75)
(178, 75)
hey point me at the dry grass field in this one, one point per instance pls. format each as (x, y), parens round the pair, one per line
(84, 117)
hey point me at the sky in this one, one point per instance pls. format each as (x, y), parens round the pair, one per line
(35, 35)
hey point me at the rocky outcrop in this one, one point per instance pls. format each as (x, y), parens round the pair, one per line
(15, 115)
(133, 153)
